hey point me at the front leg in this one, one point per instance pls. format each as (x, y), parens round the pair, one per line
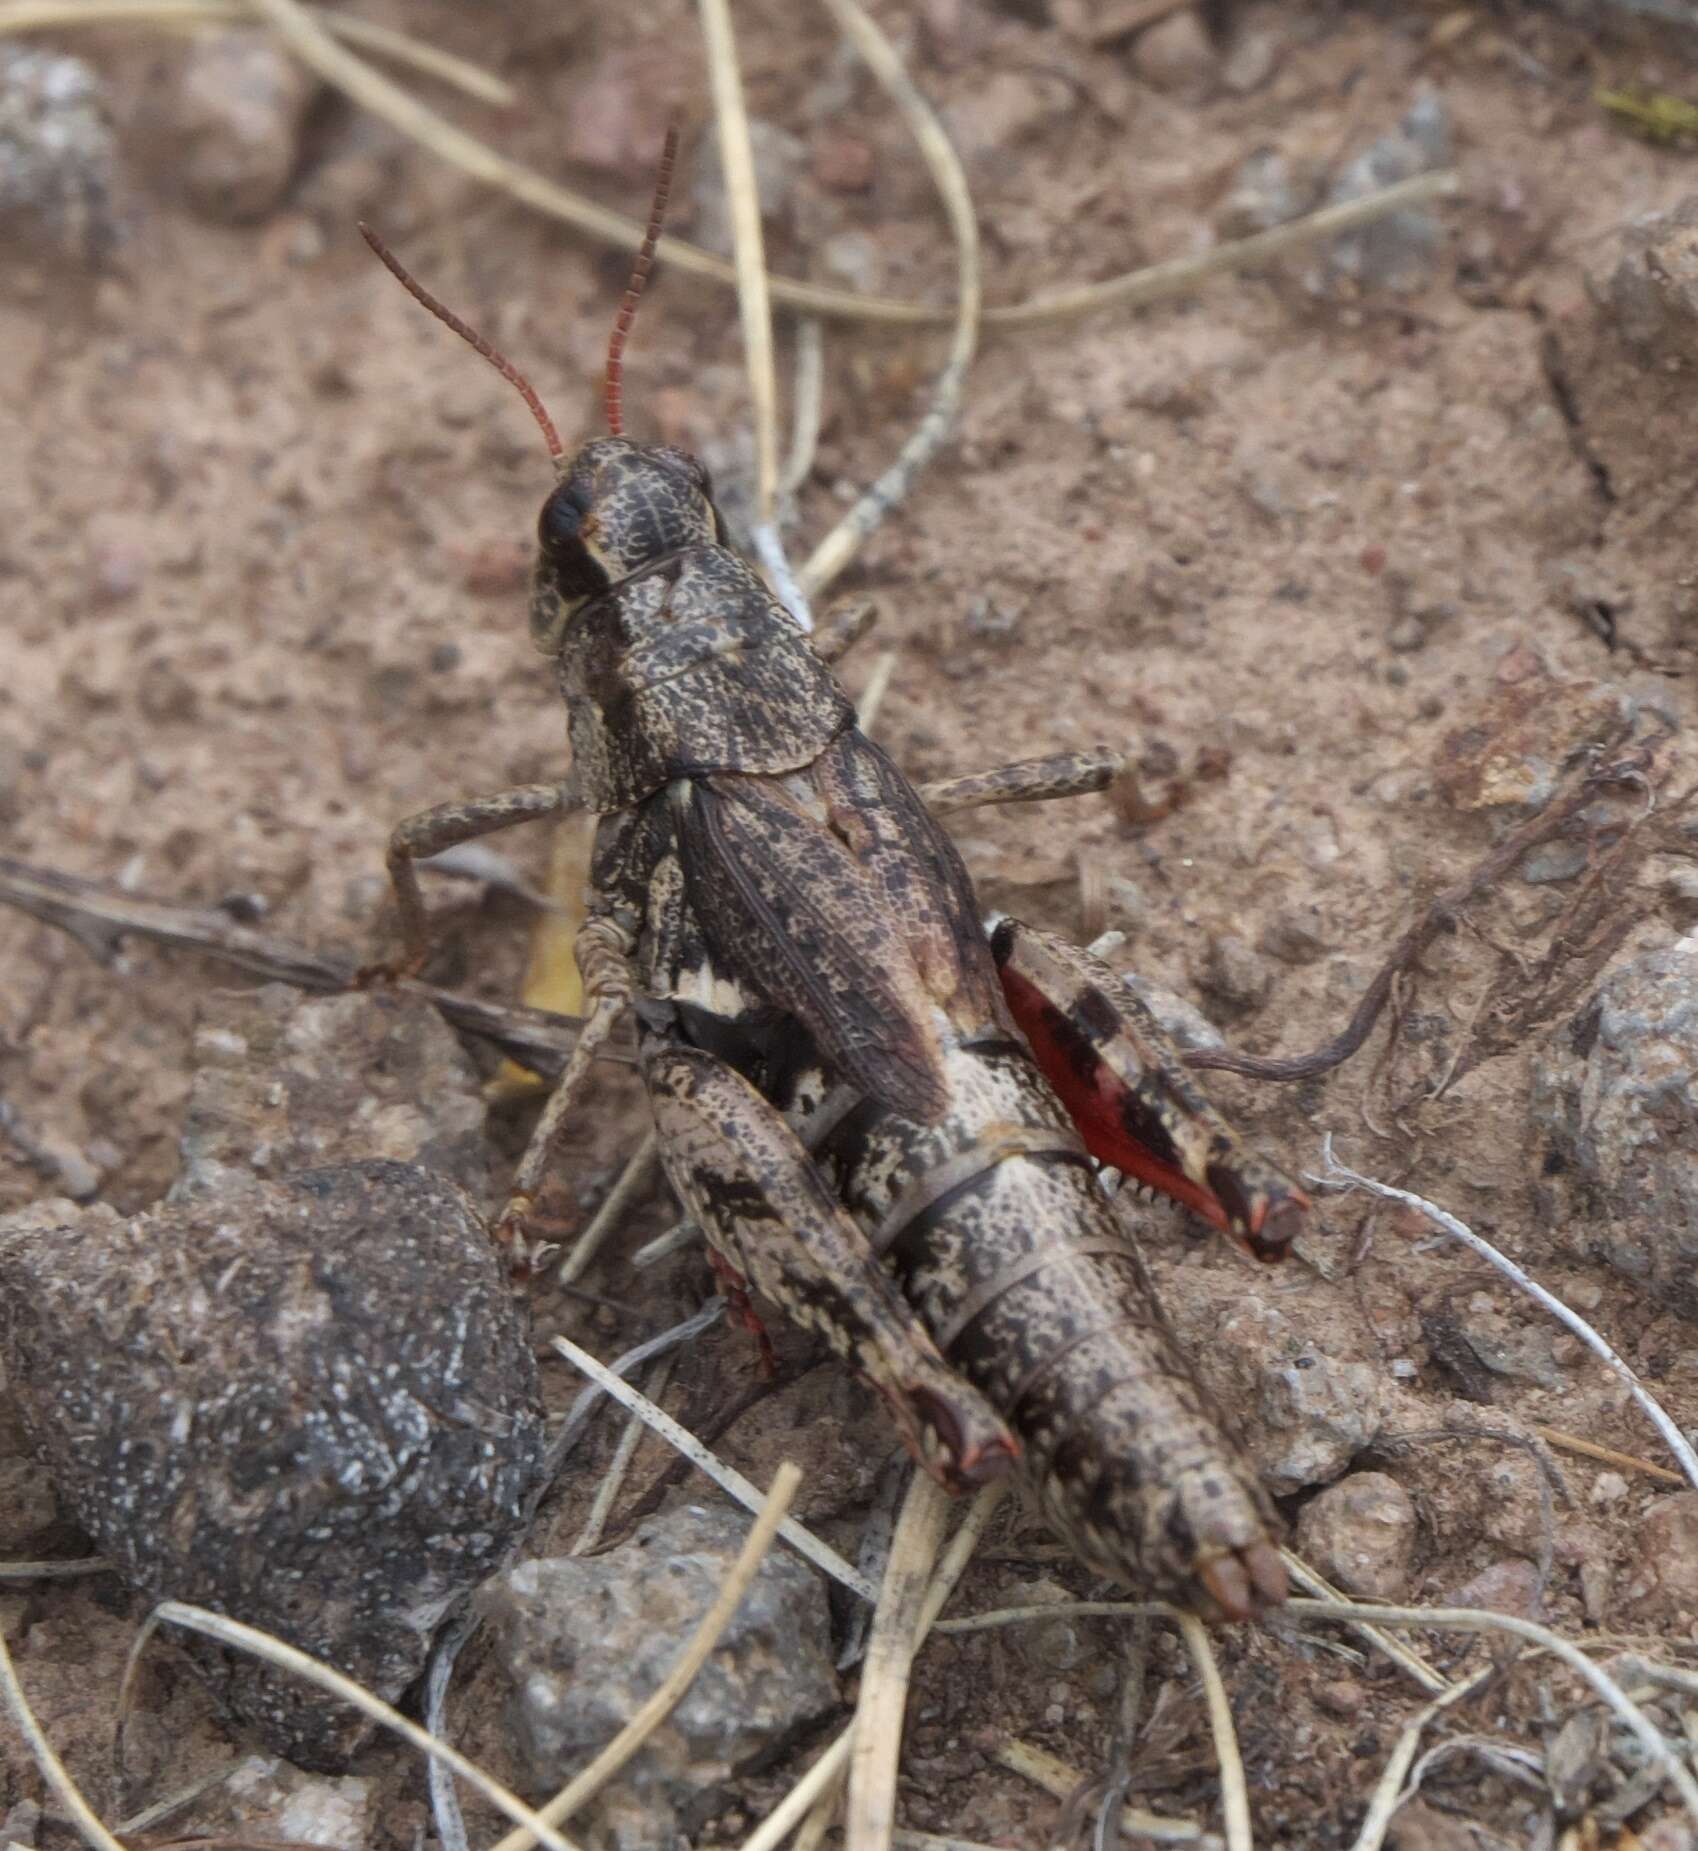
(1127, 1088)
(448, 824)
(1028, 780)
(740, 1170)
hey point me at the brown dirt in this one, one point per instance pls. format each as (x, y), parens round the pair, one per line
(261, 584)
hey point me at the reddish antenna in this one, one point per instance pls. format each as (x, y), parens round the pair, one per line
(634, 289)
(500, 362)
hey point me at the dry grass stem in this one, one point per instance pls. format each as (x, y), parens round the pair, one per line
(53, 1770)
(733, 1483)
(397, 47)
(737, 164)
(694, 1655)
(607, 1491)
(807, 404)
(390, 103)
(56, 1571)
(1388, 1792)
(663, 1246)
(968, 1535)
(161, 1810)
(1559, 1441)
(881, 1709)
(1465, 1619)
(1063, 1779)
(801, 1799)
(878, 686)
(1337, 1174)
(636, 1176)
(840, 545)
(301, 1664)
(1234, 1792)
(1400, 1654)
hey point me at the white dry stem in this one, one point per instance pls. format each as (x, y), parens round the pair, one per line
(1337, 1175)
(815, 1795)
(663, 1246)
(56, 1571)
(881, 1708)
(732, 1482)
(1063, 1779)
(301, 1664)
(807, 399)
(53, 1770)
(1468, 1619)
(608, 1490)
(878, 686)
(1400, 1654)
(386, 100)
(1234, 1792)
(397, 47)
(840, 545)
(633, 1180)
(690, 1661)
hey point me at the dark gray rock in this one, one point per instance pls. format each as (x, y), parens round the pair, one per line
(1396, 252)
(585, 1642)
(1616, 1144)
(309, 1404)
(285, 1082)
(1651, 292)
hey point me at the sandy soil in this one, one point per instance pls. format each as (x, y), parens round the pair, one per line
(263, 532)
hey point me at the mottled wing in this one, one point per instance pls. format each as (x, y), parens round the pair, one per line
(793, 912)
(917, 877)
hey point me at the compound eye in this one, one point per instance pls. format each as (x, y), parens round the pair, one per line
(562, 516)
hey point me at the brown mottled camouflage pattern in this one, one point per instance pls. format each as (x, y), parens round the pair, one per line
(844, 1101)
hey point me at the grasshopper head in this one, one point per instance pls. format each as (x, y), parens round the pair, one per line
(619, 507)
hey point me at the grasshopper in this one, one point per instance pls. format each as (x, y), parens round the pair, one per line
(884, 1123)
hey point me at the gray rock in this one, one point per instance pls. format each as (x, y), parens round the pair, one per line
(1234, 977)
(1264, 193)
(1176, 54)
(1651, 294)
(584, 1642)
(1360, 1534)
(1397, 251)
(285, 1082)
(31, 1524)
(1294, 1365)
(1663, 1589)
(236, 122)
(309, 1404)
(58, 157)
(1616, 1145)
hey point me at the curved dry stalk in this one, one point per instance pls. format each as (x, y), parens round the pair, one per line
(807, 402)
(1388, 1792)
(303, 1665)
(1234, 1792)
(694, 1655)
(1138, 288)
(53, 1770)
(1469, 1619)
(840, 545)
(733, 1483)
(1337, 1174)
(881, 1708)
(397, 47)
(801, 1799)
(608, 1490)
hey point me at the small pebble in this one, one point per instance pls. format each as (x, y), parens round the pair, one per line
(1360, 1534)
(237, 119)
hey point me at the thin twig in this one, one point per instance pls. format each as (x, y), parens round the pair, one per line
(807, 398)
(98, 916)
(1469, 1619)
(1439, 916)
(56, 1571)
(1559, 1441)
(397, 47)
(1061, 1778)
(288, 1658)
(695, 1654)
(882, 1704)
(1388, 1792)
(636, 1176)
(733, 1483)
(1234, 1792)
(607, 1492)
(1336, 1174)
(53, 1770)
(1404, 1657)
(840, 545)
